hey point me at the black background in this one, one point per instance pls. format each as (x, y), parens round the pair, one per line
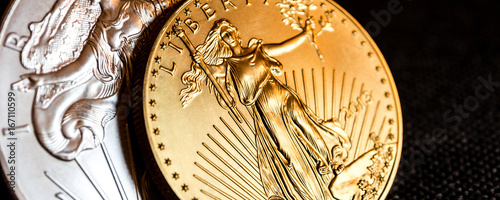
(437, 52)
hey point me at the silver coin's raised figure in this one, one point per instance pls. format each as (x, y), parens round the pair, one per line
(80, 52)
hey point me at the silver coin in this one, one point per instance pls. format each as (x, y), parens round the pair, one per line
(64, 85)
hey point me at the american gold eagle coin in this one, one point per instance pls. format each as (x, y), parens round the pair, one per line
(271, 99)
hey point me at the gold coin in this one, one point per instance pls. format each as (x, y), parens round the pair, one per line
(286, 99)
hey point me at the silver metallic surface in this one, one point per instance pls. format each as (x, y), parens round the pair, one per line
(64, 66)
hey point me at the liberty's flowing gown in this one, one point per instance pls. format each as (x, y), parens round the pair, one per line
(293, 145)
(79, 94)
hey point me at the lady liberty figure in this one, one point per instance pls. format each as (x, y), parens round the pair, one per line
(81, 52)
(298, 154)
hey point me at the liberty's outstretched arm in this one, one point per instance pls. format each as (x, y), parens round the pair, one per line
(290, 44)
(75, 101)
(71, 72)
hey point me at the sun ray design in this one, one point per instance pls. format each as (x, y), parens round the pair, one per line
(239, 172)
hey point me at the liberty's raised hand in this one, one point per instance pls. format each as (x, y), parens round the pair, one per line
(309, 29)
(197, 57)
(28, 82)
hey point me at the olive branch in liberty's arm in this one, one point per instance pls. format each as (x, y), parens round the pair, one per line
(296, 13)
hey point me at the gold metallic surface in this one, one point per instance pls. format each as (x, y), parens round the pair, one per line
(271, 100)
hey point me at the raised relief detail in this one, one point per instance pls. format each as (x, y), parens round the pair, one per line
(209, 13)
(227, 3)
(170, 71)
(295, 12)
(298, 155)
(192, 25)
(175, 47)
(15, 42)
(80, 53)
(286, 126)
